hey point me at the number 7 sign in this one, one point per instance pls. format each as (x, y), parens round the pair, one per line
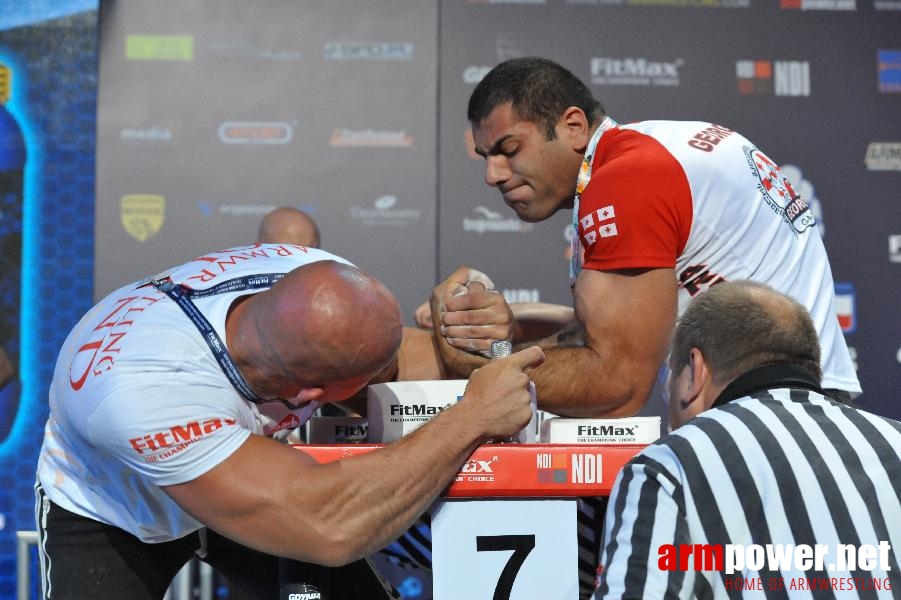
(505, 550)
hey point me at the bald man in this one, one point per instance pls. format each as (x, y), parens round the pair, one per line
(287, 225)
(168, 397)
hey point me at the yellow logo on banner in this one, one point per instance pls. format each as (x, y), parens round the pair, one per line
(142, 214)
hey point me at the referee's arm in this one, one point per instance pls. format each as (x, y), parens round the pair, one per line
(646, 511)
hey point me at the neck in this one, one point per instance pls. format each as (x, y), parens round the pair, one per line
(244, 344)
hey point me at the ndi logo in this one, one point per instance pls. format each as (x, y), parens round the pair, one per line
(779, 77)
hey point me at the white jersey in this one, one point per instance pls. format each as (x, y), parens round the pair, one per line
(138, 400)
(701, 199)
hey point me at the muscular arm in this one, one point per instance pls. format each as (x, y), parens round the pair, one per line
(278, 500)
(628, 317)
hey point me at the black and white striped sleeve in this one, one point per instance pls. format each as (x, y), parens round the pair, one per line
(646, 510)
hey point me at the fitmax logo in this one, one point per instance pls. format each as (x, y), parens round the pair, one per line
(415, 410)
(597, 430)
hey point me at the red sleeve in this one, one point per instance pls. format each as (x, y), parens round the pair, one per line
(636, 211)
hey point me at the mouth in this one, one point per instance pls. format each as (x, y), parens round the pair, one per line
(516, 195)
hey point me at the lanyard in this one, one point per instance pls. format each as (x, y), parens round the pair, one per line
(181, 295)
(575, 260)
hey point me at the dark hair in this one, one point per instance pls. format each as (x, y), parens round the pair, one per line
(539, 91)
(741, 325)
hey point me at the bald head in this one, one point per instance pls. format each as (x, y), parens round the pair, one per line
(742, 325)
(326, 324)
(286, 225)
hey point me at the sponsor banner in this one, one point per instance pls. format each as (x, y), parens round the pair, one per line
(883, 156)
(384, 213)
(474, 74)
(489, 221)
(846, 306)
(889, 68)
(236, 210)
(635, 71)
(154, 134)
(776, 78)
(356, 138)
(256, 132)
(818, 4)
(159, 47)
(675, 3)
(368, 51)
(894, 248)
(142, 215)
(536, 470)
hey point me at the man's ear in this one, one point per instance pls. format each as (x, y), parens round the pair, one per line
(701, 379)
(576, 127)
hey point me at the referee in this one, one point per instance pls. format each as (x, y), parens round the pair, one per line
(767, 489)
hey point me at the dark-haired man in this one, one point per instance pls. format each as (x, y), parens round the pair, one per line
(662, 210)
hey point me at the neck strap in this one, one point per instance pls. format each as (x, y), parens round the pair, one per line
(182, 294)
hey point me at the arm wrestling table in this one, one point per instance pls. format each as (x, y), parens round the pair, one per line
(505, 527)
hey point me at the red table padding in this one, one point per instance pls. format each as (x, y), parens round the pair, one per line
(525, 470)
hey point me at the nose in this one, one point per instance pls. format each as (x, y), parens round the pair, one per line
(497, 170)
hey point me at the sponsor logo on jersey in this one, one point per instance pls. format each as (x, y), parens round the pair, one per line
(383, 213)
(846, 306)
(255, 132)
(883, 156)
(778, 192)
(142, 215)
(818, 4)
(806, 190)
(370, 137)
(889, 66)
(634, 71)
(493, 222)
(777, 78)
(368, 51)
(160, 445)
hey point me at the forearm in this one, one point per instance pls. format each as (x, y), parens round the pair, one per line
(397, 484)
(578, 382)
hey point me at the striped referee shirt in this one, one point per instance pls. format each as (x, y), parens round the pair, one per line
(775, 492)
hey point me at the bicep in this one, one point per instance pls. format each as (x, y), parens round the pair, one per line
(257, 496)
(628, 317)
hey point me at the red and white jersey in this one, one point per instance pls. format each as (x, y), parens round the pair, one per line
(703, 200)
(138, 400)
